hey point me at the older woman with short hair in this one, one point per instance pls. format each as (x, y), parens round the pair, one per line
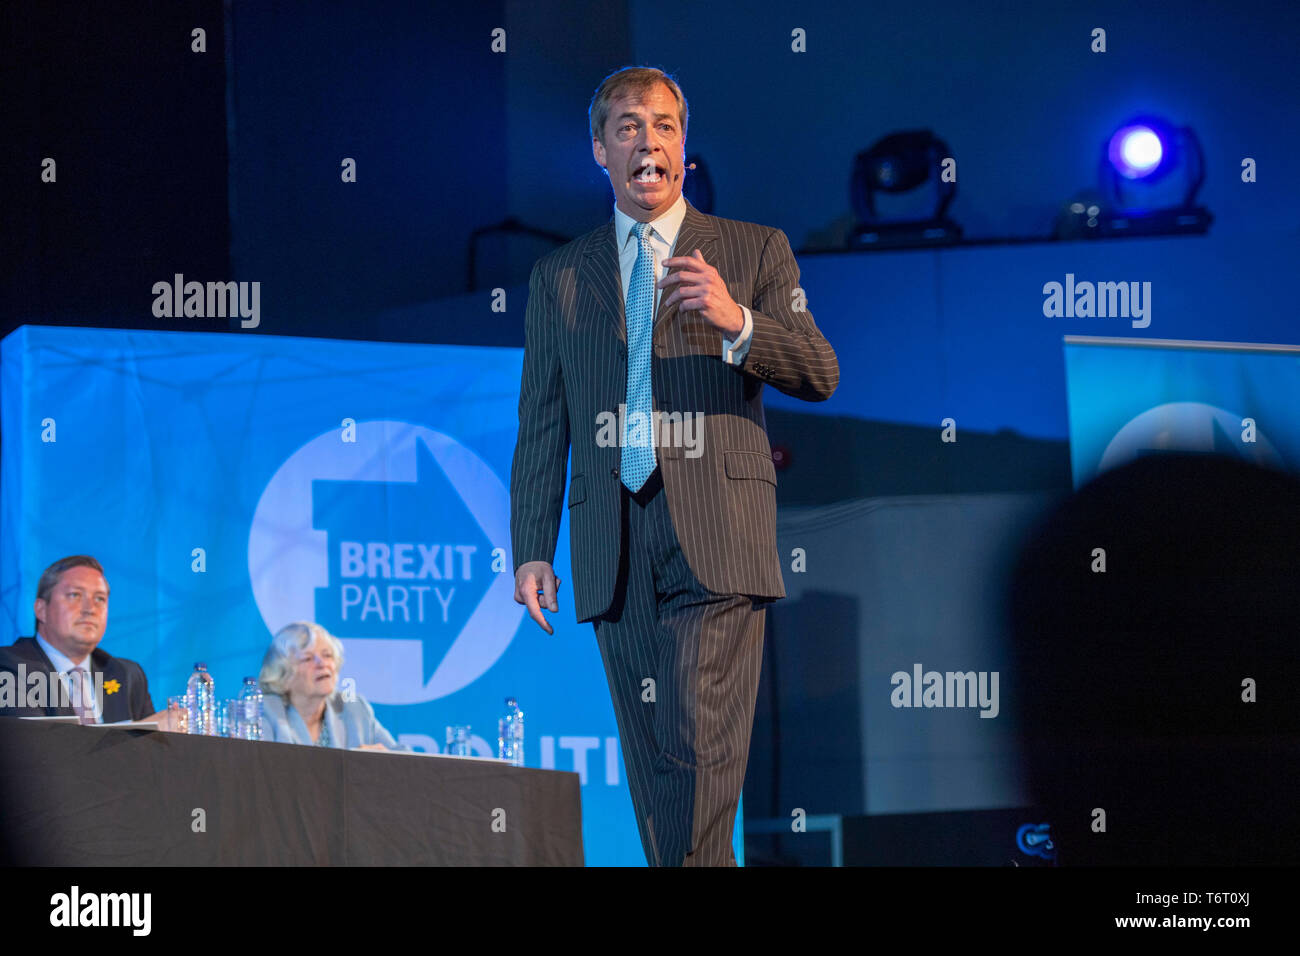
(302, 705)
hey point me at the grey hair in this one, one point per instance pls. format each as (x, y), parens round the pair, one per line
(278, 664)
(636, 80)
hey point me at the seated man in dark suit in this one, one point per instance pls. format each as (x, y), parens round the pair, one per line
(76, 678)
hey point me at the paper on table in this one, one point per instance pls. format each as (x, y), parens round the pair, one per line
(72, 719)
(423, 753)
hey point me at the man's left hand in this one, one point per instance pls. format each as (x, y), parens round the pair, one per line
(700, 289)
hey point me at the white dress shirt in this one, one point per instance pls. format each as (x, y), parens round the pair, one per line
(64, 665)
(663, 236)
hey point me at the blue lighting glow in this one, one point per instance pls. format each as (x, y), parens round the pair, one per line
(1136, 151)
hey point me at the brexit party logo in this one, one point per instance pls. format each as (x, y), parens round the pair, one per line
(1190, 427)
(395, 542)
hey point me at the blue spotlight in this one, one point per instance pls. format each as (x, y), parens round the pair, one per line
(1150, 172)
(1136, 151)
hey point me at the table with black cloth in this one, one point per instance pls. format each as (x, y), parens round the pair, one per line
(99, 796)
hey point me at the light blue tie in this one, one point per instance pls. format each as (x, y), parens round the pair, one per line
(638, 444)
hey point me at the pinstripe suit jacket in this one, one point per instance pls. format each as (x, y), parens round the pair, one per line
(723, 501)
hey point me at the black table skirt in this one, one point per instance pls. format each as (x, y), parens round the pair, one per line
(87, 796)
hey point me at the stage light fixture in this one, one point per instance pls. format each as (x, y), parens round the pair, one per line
(1150, 172)
(903, 162)
(1135, 151)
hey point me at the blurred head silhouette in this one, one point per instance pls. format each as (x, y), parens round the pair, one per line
(1137, 681)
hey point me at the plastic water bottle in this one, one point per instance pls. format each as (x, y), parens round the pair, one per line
(510, 734)
(250, 710)
(201, 701)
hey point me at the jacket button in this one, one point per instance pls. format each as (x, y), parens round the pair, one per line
(614, 472)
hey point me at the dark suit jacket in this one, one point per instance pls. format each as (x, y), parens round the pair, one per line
(722, 503)
(130, 701)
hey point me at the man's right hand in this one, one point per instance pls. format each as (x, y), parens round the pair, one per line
(534, 576)
(164, 720)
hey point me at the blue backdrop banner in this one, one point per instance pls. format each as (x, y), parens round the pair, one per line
(1133, 398)
(231, 483)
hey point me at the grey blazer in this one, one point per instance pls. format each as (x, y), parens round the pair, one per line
(351, 723)
(722, 502)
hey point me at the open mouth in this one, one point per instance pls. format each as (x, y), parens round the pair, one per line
(650, 173)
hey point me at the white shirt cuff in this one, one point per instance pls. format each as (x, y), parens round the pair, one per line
(733, 353)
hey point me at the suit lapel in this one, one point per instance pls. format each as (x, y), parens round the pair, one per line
(51, 709)
(117, 704)
(338, 732)
(297, 724)
(601, 279)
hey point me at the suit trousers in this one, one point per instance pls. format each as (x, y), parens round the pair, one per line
(683, 665)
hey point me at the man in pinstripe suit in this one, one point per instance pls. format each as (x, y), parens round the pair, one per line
(672, 530)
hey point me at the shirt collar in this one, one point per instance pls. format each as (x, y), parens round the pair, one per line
(62, 663)
(667, 225)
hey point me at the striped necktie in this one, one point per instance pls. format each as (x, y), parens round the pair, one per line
(82, 705)
(638, 445)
